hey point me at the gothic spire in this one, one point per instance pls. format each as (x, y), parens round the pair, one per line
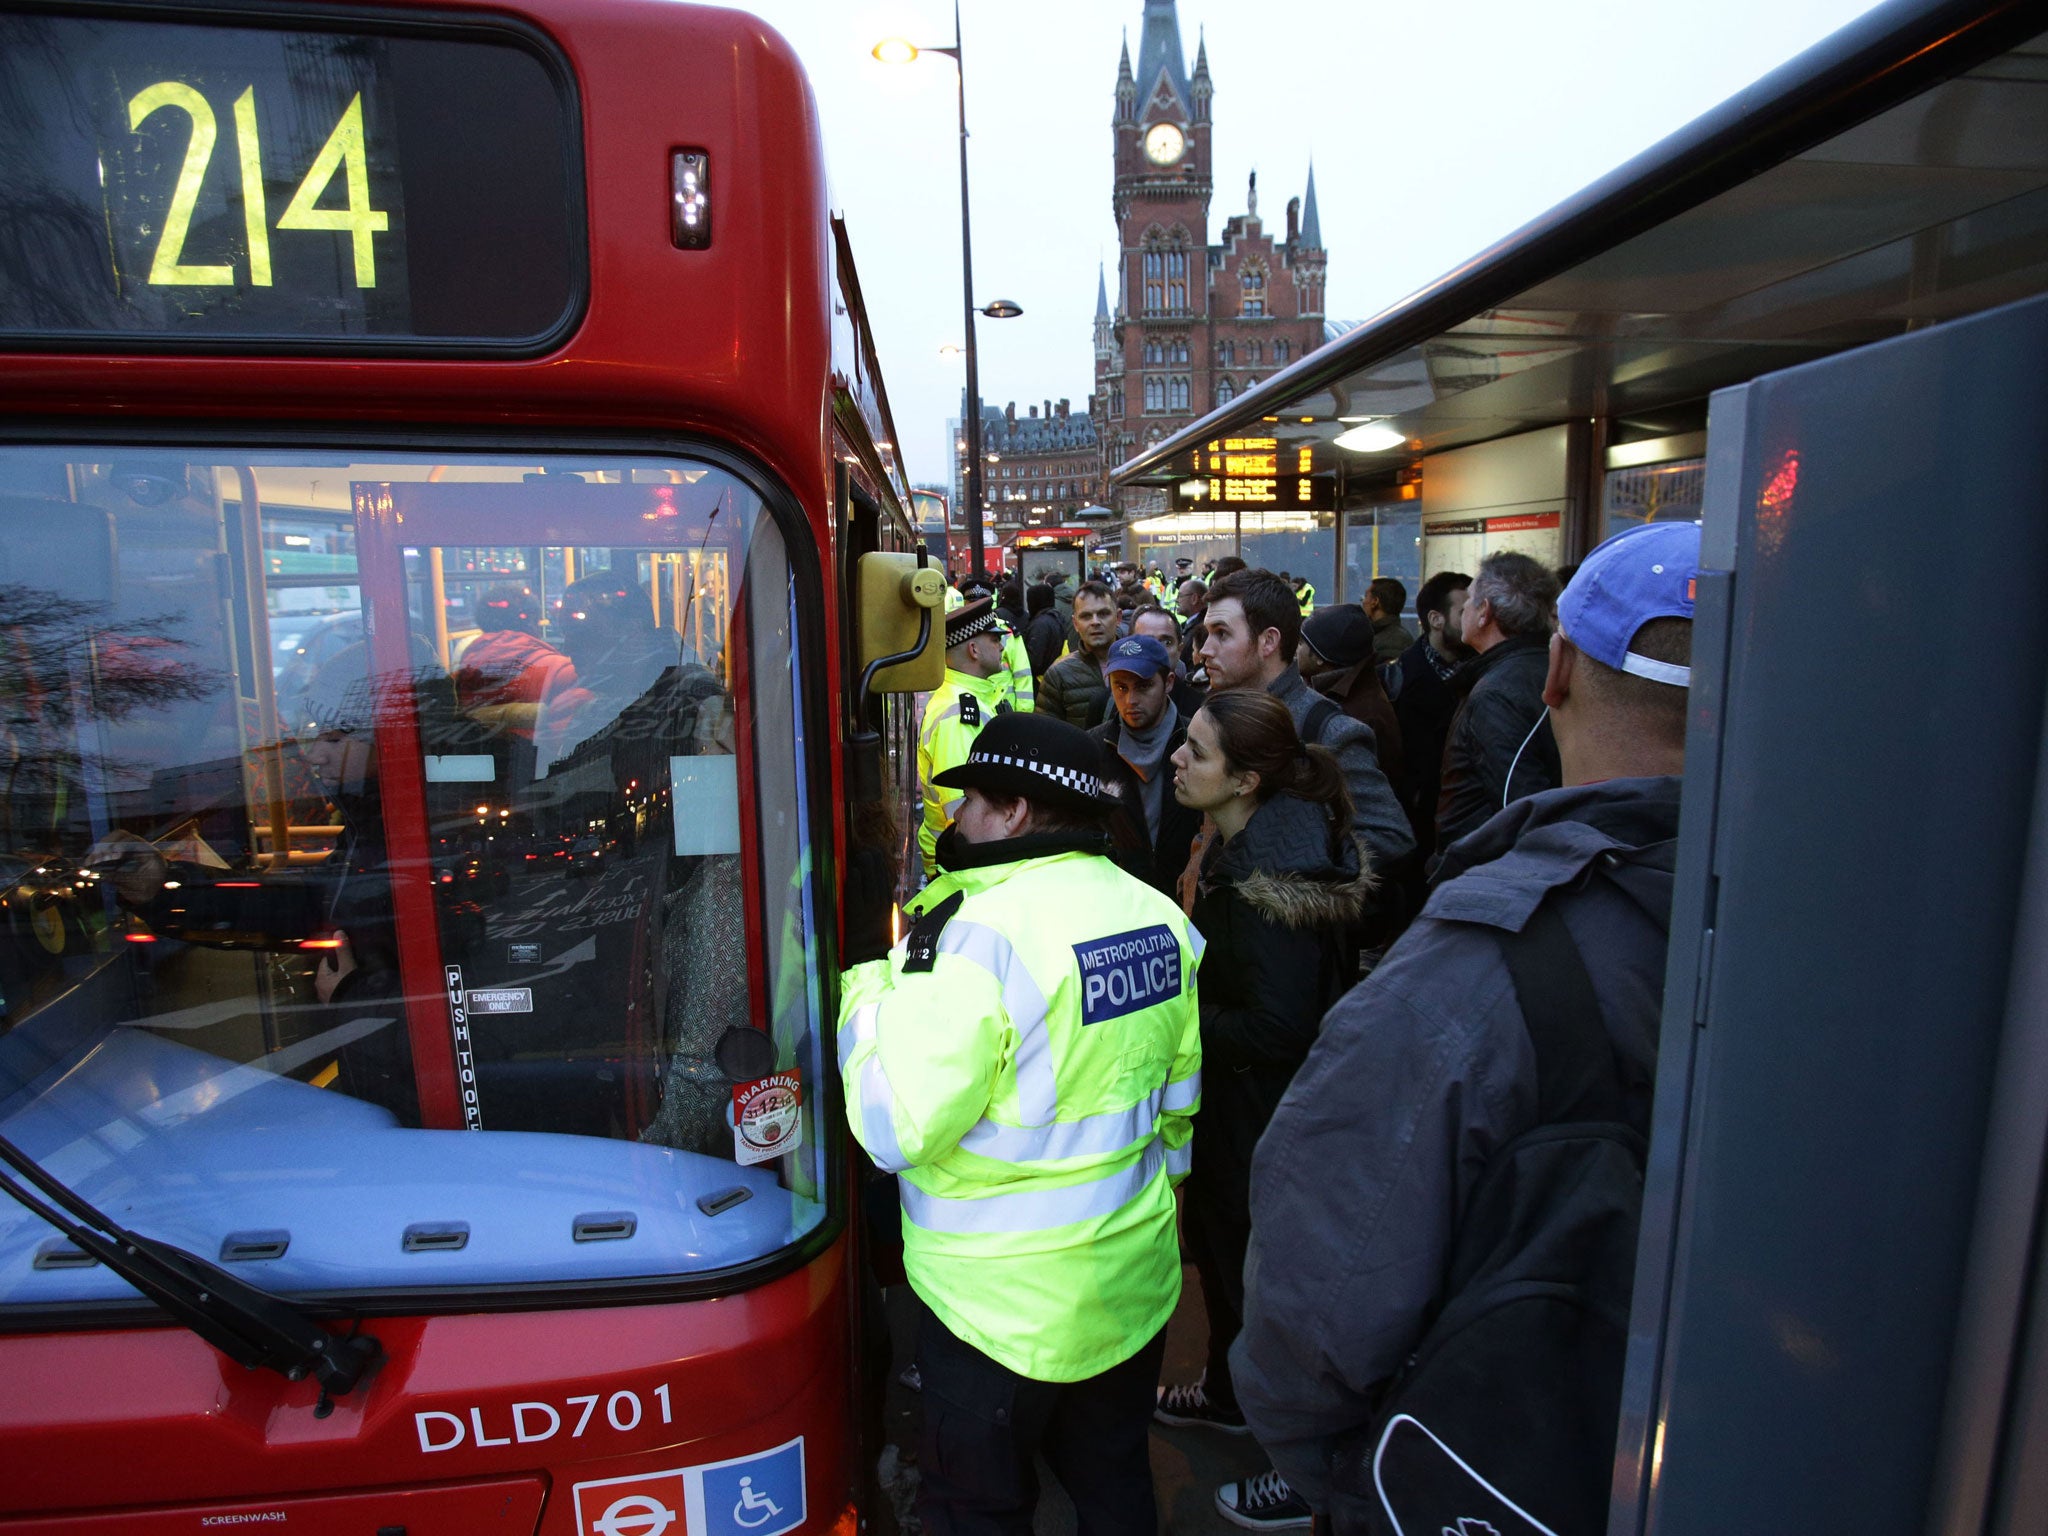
(1311, 226)
(1101, 294)
(1160, 52)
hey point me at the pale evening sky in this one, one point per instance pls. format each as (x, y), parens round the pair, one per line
(1435, 130)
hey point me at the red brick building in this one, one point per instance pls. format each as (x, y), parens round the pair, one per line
(1191, 324)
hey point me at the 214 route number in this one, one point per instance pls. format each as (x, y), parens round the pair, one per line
(344, 152)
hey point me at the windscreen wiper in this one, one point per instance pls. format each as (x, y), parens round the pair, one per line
(250, 1326)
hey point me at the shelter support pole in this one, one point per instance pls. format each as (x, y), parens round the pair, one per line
(1585, 486)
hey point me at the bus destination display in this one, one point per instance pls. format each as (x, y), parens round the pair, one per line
(198, 183)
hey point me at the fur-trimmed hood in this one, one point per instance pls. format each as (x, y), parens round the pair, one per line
(1287, 866)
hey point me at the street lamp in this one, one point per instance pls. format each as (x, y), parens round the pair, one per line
(896, 50)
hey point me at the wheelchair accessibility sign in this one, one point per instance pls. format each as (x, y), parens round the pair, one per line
(757, 1495)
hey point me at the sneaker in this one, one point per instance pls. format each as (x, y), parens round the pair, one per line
(1263, 1503)
(1189, 1406)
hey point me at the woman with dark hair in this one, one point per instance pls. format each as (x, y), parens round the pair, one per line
(1282, 889)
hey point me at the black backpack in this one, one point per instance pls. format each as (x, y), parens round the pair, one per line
(1502, 1422)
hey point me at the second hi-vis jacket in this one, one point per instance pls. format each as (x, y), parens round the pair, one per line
(953, 716)
(1028, 1060)
(1023, 686)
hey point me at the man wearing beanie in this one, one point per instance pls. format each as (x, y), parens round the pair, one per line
(1549, 920)
(1338, 659)
(976, 690)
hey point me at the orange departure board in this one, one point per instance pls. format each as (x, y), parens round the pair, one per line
(1257, 472)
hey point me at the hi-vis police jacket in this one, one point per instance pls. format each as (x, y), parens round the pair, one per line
(953, 717)
(1023, 686)
(1031, 1066)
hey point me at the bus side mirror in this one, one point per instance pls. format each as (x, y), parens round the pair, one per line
(902, 624)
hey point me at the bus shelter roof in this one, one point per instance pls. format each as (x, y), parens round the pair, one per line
(1893, 176)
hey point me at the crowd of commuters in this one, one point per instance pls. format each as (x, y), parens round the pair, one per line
(1332, 919)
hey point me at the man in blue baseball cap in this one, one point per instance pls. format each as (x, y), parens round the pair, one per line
(1549, 922)
(1153, 832)
(1628, 612)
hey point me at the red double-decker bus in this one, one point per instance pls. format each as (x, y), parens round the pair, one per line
(448, 583)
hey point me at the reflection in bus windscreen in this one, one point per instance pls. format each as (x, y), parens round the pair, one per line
(173, 180)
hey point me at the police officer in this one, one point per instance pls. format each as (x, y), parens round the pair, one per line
(1016, 660)
(1028, 1060)
(976, 690)
(1304, 594)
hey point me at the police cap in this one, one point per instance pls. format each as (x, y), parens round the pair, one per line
(970, 619)
(1039, 757)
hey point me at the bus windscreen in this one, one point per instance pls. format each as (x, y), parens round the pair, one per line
(186, 183)
(424, 839)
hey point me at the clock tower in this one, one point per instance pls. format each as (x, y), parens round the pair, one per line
(1188, 325)
(1160, 195)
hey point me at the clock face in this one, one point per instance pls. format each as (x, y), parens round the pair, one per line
(1163, 144)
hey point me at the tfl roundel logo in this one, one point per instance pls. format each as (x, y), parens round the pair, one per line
(757, 1495)
(651, 1505)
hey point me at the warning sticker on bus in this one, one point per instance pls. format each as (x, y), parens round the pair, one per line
(500, 1000)
(767, 1117)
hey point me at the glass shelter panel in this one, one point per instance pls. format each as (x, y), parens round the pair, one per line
(1645, 493)
(1199, 537)
(1299, 543)
(1382, 538)
(431, 897)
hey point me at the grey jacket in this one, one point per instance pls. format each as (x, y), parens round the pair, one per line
(1376, 811)
(1419, 1073)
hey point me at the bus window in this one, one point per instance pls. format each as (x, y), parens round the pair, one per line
(346, 882)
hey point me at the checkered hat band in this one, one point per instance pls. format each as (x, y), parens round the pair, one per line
(1070, 778)
(955, 633)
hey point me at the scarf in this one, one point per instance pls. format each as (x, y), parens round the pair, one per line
(1146, 753)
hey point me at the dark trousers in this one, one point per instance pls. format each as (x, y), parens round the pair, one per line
(984, 1425)
(1217, 1238)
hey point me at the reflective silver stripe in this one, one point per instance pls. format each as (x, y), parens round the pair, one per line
(1038, 1092)
(857, 1029)
(878, 1117)
(1196, 943)
(952, 807)
(1180, 1159)
(1091, 1136)
(933, 722)
(1182, 1095)
(1033, 1210)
